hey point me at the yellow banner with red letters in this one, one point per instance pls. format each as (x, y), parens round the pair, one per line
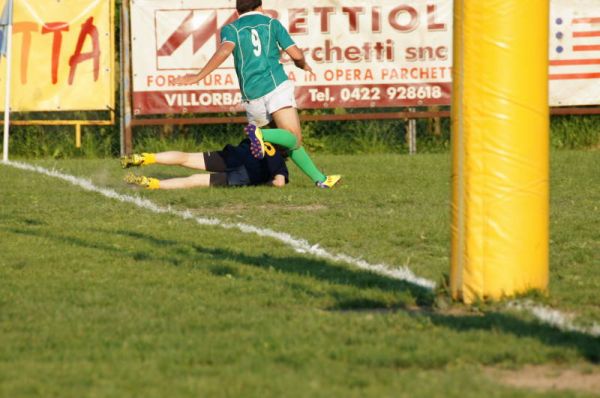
(62, 55)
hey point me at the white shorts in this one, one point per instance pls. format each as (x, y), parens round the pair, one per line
(259, 110)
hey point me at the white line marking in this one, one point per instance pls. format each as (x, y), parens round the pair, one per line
(543, 314)
(299, 245)
(555, 318)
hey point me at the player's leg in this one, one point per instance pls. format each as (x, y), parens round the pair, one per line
(170, 158)
(280, 137)
(298, 155)
(256, 112)
(258, 137)
(193, 181)
(280, 107)
(199, 161)
(185, 159)
(260, 113)
(209, 161)
(287, 119)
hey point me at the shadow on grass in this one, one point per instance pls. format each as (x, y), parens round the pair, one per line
(137, 255)
(588, 346)
(181, 253)
(302, 266)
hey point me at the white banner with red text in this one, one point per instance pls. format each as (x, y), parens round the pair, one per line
(365, 53)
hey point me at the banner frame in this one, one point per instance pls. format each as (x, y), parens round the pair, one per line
(77, 123)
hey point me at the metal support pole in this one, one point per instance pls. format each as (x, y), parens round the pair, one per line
(125, 92)
(412, 134)
(8, 32)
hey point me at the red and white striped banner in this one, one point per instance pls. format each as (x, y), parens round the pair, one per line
(575, 52)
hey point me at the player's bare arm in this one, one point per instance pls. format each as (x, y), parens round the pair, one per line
(224, 51)
(299, 59)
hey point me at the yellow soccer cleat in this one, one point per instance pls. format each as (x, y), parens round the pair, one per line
(132, 160)
(329, 182)
(142, 181)
(137, 159)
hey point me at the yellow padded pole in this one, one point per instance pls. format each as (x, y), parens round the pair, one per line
(500, 127)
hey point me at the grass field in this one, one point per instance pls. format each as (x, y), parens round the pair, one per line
(102, 298)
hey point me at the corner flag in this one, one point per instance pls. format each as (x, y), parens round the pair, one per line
(6, 21)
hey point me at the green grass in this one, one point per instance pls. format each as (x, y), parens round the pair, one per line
(339, 138)
(100, 298)
(575, 132)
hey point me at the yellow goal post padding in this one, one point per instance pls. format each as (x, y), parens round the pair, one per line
(500, 127)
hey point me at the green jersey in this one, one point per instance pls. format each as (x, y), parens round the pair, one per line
(258, 40)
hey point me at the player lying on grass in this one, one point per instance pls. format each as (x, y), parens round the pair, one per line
(256, 40)
(232, 166)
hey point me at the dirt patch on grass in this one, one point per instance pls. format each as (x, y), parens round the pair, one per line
(549, 378)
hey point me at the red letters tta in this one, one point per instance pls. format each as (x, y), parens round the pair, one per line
(57, 29)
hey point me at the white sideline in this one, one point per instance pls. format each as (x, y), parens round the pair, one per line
(299, 245)
(555, 318)
(543, 314)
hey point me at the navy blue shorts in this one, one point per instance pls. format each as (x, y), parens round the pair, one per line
(238, 177)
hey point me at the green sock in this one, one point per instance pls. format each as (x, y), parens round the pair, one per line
(280, 137)
(298, 155)
(304, 163)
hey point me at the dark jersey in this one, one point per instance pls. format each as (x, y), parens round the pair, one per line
(260, 171)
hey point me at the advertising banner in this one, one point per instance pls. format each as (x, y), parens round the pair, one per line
(575, 52)
(63, 55)
(365, 53)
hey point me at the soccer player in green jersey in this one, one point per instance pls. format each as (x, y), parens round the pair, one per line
(256, 40)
